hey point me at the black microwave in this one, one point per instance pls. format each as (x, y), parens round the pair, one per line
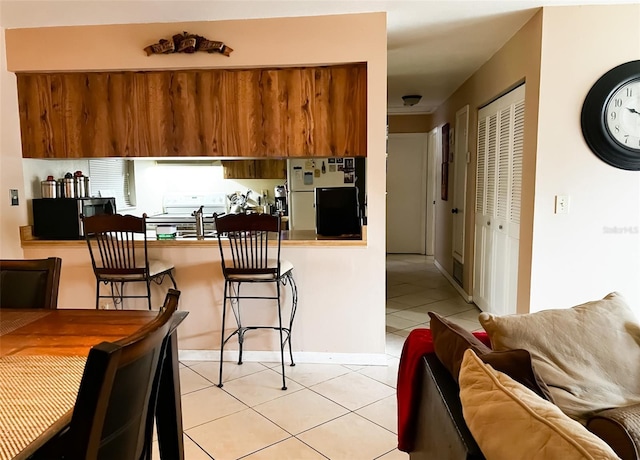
(59, 218)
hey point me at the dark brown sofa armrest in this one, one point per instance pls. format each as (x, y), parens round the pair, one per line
(441, 432)
(620, 428)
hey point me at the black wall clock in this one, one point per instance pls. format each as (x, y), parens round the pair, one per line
(611, 117)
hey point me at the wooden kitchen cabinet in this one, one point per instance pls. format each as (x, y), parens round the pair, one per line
(284, 112)
(254, 169)
(76, 115)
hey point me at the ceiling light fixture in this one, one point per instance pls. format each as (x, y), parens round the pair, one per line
(411, 99)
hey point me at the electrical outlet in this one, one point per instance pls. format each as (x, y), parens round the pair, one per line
(562, 204)
(14, 197)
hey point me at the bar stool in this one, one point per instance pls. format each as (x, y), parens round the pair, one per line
(250, 253)
(115, 258)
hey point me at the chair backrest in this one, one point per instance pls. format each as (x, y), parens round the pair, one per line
(115, 407)
(30, 283)
(249, 236)
(111, 240)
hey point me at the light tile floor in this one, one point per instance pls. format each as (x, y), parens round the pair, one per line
(329, 411)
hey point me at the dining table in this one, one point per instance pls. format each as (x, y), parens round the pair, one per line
(42, 358)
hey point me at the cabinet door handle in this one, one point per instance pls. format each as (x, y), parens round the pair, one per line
(454, 211)
(488, 223)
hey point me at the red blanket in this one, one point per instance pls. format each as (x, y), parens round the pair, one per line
(418, 343)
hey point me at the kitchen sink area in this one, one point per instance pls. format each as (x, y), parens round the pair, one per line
(192, 234)
(179, 219)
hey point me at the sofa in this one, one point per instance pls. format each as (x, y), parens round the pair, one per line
(561, 383)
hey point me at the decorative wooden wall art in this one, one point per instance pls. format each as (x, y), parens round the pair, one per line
(187, 43)
(444, 189)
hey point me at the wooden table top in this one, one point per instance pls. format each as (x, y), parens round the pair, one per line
(42, 356)
(65, 332)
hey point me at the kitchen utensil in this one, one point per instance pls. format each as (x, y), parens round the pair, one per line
(69, 187)
(59, 188)
(237, 203)
(80, 185)
(199, 222)
(48, 188)
(280, 191)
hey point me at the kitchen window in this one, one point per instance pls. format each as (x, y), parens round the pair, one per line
(114, 177)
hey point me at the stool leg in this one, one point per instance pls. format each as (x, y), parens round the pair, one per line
(284, 385)
(175, 286)
(224, 317)
(148, 293)
(97, 294)
(241, 330)
(294, 307)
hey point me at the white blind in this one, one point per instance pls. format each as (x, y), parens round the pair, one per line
(503, 169)
(490, 194)
(481, 172)
(516, 168)
(112, 177)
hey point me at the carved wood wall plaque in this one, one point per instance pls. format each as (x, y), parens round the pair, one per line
(187, 43)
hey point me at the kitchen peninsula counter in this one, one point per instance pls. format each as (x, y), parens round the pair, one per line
(289, 238)
(326, 274)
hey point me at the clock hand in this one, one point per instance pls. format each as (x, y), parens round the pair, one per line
(632, 110)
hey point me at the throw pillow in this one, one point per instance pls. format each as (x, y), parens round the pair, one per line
(588, 355)
(517, 365)
(450, 341)
(509, 421)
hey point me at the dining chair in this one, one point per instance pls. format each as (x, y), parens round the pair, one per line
(30, 283)
(250, 253)
(113, 416)
(119, 255)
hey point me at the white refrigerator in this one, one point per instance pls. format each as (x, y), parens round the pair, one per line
(305, 174)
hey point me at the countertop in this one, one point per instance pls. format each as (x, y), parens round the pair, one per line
(289, 238)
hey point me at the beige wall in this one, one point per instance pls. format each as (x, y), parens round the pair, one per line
(409, 123)
(564, 259)
(517, 61)
(10, 163)
(574, 257)
(349, 296)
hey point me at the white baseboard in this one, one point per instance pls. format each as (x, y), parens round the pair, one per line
(453, 282)
(302, 357)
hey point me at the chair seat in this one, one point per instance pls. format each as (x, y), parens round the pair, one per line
(156, 267)
(285, 267)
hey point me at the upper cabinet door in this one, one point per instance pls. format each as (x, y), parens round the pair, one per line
(340, 111)
(289, 112)
(76, 115)
(287, 108)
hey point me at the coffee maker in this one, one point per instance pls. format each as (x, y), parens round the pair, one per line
(280, 194)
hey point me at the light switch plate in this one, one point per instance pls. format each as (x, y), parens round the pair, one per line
(14, 197)
(562, 204)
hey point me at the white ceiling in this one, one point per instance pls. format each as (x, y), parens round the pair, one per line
(433, 45)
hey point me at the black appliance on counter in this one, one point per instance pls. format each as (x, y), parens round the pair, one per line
(337, 211)
(59, 218)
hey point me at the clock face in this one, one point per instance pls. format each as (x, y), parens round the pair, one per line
(622, 114)
(610, 117)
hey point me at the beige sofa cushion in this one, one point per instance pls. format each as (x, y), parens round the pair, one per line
(588, 355)
(509, 421)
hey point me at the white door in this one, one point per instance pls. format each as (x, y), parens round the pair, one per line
(497, 207)
(302, 211)
(460, 158)
(406, 193)
(432, 189)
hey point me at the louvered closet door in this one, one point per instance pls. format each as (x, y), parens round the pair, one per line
(497, 207)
